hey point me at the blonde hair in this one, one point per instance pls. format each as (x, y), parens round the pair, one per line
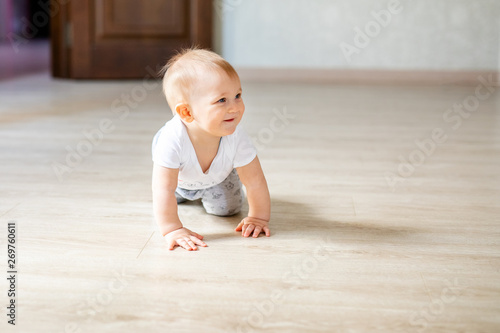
(183, 69)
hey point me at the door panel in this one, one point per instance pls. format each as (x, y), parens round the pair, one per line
(153, 18)
(126, 38)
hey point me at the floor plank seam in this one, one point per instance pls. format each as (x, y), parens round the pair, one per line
(11, 209)
(145, 245)
(426, 289)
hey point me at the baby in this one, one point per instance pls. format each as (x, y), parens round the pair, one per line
(202, 152)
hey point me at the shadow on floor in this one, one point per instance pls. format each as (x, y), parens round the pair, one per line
(299, 221)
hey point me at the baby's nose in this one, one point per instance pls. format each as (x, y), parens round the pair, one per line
(234, 108)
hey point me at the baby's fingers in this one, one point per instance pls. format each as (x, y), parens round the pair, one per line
(171, 245)
(257, 231)
(187, 244)
(198, 241)
(197, 235)
(267, 231)
(248, 230)
(240, 226)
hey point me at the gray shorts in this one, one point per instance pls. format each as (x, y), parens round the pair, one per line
(223, 199)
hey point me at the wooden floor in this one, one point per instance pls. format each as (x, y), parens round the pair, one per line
(357, 245)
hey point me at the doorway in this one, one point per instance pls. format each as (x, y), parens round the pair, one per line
(24, 38)
(125, 39)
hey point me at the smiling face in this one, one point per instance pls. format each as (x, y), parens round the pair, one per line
(216, 103)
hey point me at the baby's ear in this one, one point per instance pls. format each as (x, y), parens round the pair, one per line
(184, 111)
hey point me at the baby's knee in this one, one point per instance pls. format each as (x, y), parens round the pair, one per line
(223, 210)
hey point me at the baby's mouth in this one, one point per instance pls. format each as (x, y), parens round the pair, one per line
(229, 120)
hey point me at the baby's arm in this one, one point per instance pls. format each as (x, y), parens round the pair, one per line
(259, 202)
(165, 210)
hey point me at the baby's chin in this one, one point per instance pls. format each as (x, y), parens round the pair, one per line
(230, 128)
(228, 131)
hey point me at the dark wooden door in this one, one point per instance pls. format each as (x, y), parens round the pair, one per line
(115, 39)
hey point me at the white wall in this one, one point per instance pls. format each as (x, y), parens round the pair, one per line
(424, 34)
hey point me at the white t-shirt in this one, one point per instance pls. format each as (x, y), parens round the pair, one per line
(173, 149)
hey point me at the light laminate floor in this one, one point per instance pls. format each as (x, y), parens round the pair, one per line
(355, 245)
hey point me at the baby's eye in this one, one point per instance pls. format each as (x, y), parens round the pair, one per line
(222, 100)
(238, 96)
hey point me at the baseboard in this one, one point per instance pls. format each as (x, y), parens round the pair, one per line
(355, 76)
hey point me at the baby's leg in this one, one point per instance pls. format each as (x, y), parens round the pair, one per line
(224, 199)
(180, 198)
(183, 195)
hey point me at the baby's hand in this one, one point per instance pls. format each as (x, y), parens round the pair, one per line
(185, 238)
(253, 225)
